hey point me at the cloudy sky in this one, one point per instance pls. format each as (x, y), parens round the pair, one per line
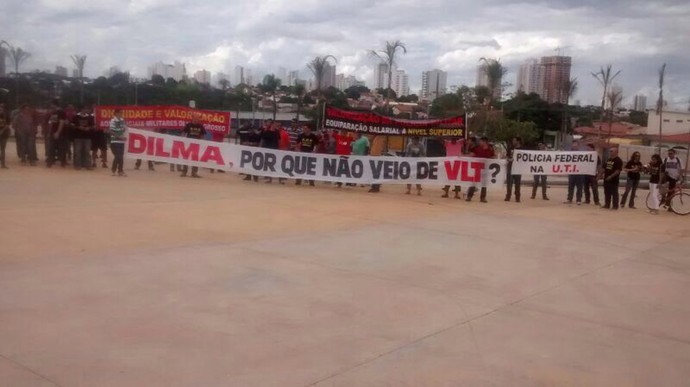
(635, 36)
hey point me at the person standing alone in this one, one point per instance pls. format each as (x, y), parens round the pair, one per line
(118, 138)
(516, 143)
(196, 130)
(612, 171)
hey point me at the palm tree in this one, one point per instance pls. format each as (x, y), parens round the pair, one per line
(605, 78)
(318, 68)
(388, 55)
(614, 98)
(660, 101)
(299, 91)
(80, 62)
(494, 71)
(269, 85)
(18, 56)
(571, 87)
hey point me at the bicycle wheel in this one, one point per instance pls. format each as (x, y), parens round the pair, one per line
(680, 203)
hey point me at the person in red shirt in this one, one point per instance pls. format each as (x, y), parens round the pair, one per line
(284, 137)
(343, 147)
(453, 149)
(482, 151)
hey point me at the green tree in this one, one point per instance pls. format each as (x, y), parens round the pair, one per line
(355, 92)
(638, 118)
(502, 130)
(157, 79)
(409, 98)
(388, 56)
(270, 85)
(389, 93)
(224, 84)
(17, 57)
(447, 105)
(494, 71)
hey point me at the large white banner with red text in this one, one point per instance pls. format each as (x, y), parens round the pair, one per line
(462, 171)
(527, 162)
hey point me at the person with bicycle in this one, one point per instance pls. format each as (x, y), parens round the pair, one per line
(671, 169)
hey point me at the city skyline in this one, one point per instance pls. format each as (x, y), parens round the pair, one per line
(264, 37)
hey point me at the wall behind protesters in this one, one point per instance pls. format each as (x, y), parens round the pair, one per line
(646, 152)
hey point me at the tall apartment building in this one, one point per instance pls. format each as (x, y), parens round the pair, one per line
(556, 78)
(400, 83)
(203, 76)
(242, 75)
(328, 78)
(640, 103)
(530, 78)
(381, 76)
(292, 78)
(433, 84)
(61, 71)
(176, 71)
(282, 75)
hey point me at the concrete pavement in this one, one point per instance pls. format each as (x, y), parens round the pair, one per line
(155, 280)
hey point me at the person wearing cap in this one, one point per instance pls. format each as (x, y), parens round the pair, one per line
(194, 129)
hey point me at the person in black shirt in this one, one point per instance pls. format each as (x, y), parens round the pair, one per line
(516, 143)
(83, 131)
(56, 136)
(306, 142)
(612, 171)
(540, 180)
(194, 129)
(270, 139)
(633, 168)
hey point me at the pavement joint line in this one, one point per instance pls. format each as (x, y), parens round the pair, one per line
(603, 324)
(458, 324)
(22, 366)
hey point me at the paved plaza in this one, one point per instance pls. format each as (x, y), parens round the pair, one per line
(156, 280)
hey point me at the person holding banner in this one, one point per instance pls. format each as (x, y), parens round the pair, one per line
(118, 133)
(414, 149)
(575, 183)
(540, 180)
(270, 139)
(343, 147)
(194, 129)
(516, 143)
(453, 149)
(482, 151)
(306, 142)
(612, 171)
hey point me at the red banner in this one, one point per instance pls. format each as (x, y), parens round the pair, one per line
(163, 117)
(372, 123)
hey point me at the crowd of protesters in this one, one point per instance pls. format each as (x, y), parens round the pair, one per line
(71, 135)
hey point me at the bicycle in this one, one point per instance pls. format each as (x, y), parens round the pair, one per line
(678, 201)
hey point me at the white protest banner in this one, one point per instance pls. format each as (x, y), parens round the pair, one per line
(527, 162)
(152, 146)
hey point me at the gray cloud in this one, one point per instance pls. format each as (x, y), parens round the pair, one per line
(635, 36)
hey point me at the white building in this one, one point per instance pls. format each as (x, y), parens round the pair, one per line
(400, 83)
(381, 76)
(203, 76)
(239, 76)
(673, 123)
(292, 78)
(433, 84)
(282, 75)
(61, 71)
(343, 82)
(483, 80)
(328, 79)
(531, 77)
(176, 71)
(219, 77)
(640, 103)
